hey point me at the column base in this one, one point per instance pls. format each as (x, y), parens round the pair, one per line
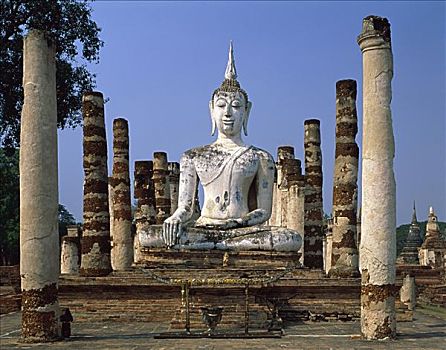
(344, 272)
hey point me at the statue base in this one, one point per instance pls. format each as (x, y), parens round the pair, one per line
(209, 259)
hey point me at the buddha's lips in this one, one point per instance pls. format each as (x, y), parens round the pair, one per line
(228, 123)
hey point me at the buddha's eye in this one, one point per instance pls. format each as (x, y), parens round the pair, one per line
(221, 103)
(236, 104)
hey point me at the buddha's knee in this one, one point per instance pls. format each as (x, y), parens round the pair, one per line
(151, 239)
(285, 240)
(273, 239)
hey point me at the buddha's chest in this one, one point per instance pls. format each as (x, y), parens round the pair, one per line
(225, 167)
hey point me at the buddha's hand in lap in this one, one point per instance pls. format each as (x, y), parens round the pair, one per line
(218, 224)
(171, 231)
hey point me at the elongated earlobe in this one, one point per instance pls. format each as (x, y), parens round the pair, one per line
(214, 125)
(245, 121)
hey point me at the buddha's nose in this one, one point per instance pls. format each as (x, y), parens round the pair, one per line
(228, 112)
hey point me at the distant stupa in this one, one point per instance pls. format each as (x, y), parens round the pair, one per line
(409, 254)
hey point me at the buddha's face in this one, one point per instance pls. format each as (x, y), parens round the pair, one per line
(230, 112)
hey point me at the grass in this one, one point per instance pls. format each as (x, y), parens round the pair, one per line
(432, 310)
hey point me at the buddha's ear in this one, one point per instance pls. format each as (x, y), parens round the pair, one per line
(245, 121)
(211, 110)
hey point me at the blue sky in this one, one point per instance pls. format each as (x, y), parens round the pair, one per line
(162, 60)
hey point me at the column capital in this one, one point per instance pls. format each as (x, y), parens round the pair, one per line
(312, 131)
(375, 34)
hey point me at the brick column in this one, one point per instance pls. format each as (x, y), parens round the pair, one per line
(174, 184)
(378, 239)
(162, 190)
(95, 242)
(344, 253)
(145, 199)
(122, 251)
(280, 200)
(313, 230)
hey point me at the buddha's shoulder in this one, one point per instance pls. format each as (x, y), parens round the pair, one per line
(214, 150)
(199, 151)
(262, 154)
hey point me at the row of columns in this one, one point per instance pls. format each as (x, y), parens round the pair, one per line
(377, 234)
(38, 218)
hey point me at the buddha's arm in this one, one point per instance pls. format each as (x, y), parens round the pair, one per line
(187, 190)
(264, 185)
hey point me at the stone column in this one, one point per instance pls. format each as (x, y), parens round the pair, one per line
(279, 202)
(69, 256)
(328, 245)
(344, 253)
(285, 152)
(313, 230)
(95, 242)
(144, 191)
(145, 203)
(122, 251)
(39, 236)
(110, 209)
(292, 212)
(408, 292)
(378, 239)
(162, 190)
(174, 184)
(358, 230)
(286, 172)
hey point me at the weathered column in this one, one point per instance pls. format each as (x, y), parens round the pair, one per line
(122, 251)
(378, 239)
(174, 184)
(313, 230)
(39, 236)
(95, 242)
(144, 190)
(344, 252)
(286, 173)
(358, 230)
(289, 187)
(110, 209)
(285, 152)
(328, 245)
(280, 200)
(145, 202)
(162, 190)
(69, 256)
(296, 198)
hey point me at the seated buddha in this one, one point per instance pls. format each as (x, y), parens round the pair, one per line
(237, 181)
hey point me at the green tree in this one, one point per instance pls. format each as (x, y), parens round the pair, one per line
(68, 24)
(9, 208)
(65, 219)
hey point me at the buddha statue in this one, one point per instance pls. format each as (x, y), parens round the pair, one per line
(237, 180)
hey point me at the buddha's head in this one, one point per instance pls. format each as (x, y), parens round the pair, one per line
(229, 105)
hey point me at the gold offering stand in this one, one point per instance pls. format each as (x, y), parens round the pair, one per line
(212, 315)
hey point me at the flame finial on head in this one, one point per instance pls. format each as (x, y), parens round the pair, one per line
(230, 84)
(231, 71)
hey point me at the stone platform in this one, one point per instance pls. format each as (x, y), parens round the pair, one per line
(206, 259)
(155, 295)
